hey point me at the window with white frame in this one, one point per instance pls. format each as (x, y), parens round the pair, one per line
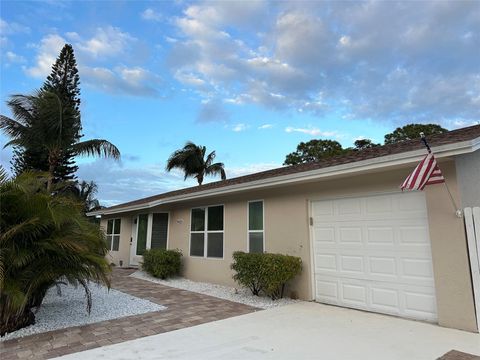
(206, 232)
(113, 234)
(255, 227)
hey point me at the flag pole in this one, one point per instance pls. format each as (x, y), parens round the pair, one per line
(458, 212)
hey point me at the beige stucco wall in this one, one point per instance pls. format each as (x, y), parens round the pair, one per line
(455, 304)
(123, 252)
(287, 231)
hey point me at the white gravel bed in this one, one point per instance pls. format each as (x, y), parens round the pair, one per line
(239, 295)
(70, 309)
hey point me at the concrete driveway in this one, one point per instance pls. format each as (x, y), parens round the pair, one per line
(300, 331)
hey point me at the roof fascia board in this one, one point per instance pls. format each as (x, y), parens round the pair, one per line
(343, 169)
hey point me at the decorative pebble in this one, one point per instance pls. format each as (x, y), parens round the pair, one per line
(242, 295)
(70, 309)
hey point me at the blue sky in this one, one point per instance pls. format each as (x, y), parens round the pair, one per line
(247, 79)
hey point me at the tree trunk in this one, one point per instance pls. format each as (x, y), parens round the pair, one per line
(53, 157)
(200, 179)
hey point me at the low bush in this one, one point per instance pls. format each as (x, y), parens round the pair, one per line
(162, 263)
(267, 273)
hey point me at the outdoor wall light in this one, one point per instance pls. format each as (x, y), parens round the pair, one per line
(179, 221)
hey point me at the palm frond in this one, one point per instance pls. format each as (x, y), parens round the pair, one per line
(96, 147)
(215, 169)
(44, 239)
(12, 128)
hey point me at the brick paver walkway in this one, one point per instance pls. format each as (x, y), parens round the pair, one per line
(184, 309)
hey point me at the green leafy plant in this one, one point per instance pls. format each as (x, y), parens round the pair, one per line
(162, 263)
(44, 239)
(267, 273)
(248, 270)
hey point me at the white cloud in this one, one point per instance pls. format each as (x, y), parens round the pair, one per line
(47, 52)
(239, 127)
(113, 178)
(422, 65)
(11, 58)
(135, 81)
(312, 131)
(151, 15)
(189, 79)
(235, 171)
(265, 126)
(107, 42)
(10, 28)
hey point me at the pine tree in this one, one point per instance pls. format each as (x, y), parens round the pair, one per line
(65, 82)
(64, 79)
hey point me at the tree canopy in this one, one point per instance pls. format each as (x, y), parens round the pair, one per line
(318, 149)
(314, 150)
(192, 161)
(362, 144)
(63, 81)
(412, 131)
(43, 119)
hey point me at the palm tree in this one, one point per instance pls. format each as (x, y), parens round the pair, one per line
(44, 240)
(85, 192)
(191, 159)
(42, 119)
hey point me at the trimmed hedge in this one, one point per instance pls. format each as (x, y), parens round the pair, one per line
(162, 263)
(267, 273)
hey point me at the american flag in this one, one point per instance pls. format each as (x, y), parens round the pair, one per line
(426, 173)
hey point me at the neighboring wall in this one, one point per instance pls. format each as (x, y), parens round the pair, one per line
(468, 173)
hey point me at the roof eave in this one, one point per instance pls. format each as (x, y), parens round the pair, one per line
(441, 151)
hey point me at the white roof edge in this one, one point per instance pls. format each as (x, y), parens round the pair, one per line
(348, 168)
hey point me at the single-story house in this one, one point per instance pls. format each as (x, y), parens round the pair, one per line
(364, 243)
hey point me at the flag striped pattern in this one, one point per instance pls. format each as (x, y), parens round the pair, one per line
(426, 173)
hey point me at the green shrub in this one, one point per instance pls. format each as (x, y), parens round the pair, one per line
(162, 263)
(266, 273)
(248, 268)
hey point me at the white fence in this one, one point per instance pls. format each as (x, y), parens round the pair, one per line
(472, 226)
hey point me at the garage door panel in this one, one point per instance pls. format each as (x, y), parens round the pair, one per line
(374, 253)
(385, 300)
(383, 266)
(410, 202)
(325, 234)
(354, 294)
(326, 262)
(352, 264)
(405, 300)
(347, 235)
(327, 290)
(378, 205)
(380, 235)
(414, 235)
(420, 303)
(348, 207)
(323, 208)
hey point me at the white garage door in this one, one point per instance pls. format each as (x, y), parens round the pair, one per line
(373, 253)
